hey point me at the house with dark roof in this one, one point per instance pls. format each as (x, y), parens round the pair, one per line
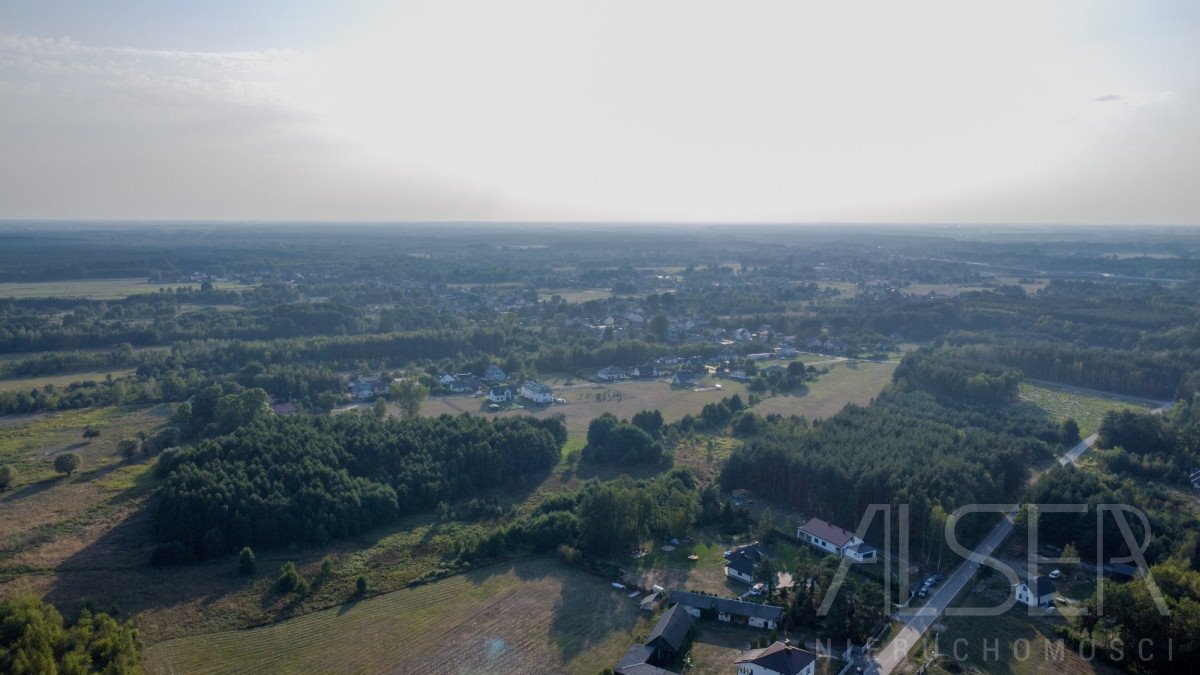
(737, 612)
(537, 392)
(833, 539)
(494, 373)
(611, 374)
(781, 658)
(741, 562)
(636, 661)
(666, 640)
(645, 370)
(1036, 592)
(669, 635)
(685, 377)
(464, 384)
(501, 395)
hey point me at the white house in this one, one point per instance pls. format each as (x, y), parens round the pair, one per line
(781, 658)
(1036, 592)
(537, 392)
(501, 395)
(495, 374)
(833, 539)
(741, 562)
(611, 374)
(645, 370)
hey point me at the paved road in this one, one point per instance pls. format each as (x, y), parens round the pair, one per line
(1074, 453)
(889, 657)
(920, 619)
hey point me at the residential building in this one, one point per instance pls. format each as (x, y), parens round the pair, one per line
(781, 658)
(1036, 592)
(685, 377)
(737, 612)
(611, 374)
(501, 395)
(833, 539)
(645, 370)
(494, 373)
(537, 392)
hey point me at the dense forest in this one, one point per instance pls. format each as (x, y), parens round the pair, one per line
(280, 480)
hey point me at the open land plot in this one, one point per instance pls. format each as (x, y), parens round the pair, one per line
(847, 382)
(96, 289)
(60, 381)
(531, 616)
(586, 401)
(577, 295)
(1086, 407)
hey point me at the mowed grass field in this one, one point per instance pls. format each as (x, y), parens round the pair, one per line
(531, 616)
(60, 381)
(585, 402)
(846, 382)
(1088, 408)
(96, 289)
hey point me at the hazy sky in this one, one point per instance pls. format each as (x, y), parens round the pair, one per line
(697, 110)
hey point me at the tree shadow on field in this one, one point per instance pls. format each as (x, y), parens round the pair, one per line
(32, 489)
(587, 613)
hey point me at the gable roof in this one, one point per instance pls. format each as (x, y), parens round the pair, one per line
(536, 387)
(724, 605)
(752, 550)
(634, 662)
(781, 658)
(1040, 585)
(830, 533)
(741, 563)
(672, 628)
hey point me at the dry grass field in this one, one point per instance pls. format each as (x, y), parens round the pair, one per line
(585, 401)
(846, 382)
(1085, 407)
(60, 381)
(531, 616)
(95, 289)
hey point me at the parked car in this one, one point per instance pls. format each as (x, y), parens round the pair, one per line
(757, 589)
(1056, 574)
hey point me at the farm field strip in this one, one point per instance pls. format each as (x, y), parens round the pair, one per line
(95, 289)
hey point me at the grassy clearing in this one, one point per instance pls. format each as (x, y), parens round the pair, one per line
(585, 402)
(60, 381)
(30, 442)
(96, 289)
(1086, 407)
(848, 382)
(576, 295)
(529, 616)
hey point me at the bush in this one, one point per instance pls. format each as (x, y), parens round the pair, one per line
(66, 463)
(360, 584)
(247, 563)
(290, 580)
(127, 447)
(8, 476)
